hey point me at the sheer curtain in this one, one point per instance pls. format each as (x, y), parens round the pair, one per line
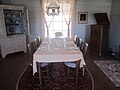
(61, 23)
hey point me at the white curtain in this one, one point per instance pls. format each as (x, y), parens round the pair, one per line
(62, 23)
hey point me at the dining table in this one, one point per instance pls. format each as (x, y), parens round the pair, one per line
(58, 50)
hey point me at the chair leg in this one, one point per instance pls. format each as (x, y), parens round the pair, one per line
(83, 70)
(77, 72)
(47, 68)
(68, 71)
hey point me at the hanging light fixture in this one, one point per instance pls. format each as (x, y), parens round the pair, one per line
(53, 9)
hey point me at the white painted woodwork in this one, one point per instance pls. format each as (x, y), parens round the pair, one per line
(13, 43)
(2, 29)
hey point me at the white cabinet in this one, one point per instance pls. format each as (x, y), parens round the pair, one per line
(13, 44)
(12, 29)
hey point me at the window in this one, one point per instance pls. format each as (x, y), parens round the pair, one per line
(61, 23)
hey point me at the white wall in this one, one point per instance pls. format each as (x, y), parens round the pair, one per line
(115, 25)
(82, 30)
(90, 6)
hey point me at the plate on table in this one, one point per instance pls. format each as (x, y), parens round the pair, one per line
(72, 48)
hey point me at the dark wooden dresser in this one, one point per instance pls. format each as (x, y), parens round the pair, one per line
(99, 35)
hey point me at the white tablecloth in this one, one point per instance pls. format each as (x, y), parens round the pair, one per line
(57, 50)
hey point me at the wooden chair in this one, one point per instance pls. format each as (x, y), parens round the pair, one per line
(73, 70)
(84, 51)
(58, 34)
(71, 65)
(31, 51)
(41, 67)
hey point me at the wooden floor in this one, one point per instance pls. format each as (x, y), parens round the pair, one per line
(12, 66)
(101, 81)
(10, 69)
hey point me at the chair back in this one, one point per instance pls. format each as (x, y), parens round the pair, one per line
(40, 40)
(35, 44)
(84, 49)
(58, 34)
(31, 47)
(31, 51)
(77, 41)
(80, 44)
(75, 37)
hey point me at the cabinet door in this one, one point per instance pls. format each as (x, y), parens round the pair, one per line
(95, 45)
(7, 46)
(96, 39)
(20, 43)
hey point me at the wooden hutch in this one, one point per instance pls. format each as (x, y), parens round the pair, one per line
(99, 34)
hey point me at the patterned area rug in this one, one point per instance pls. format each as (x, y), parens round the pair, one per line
(111, 68)
(57, 80)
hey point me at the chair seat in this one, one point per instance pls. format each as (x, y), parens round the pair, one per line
(44, 64)
(70, 64)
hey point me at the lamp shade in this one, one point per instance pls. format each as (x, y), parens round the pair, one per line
(53, 9)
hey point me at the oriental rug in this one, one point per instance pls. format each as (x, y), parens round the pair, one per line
(57, 80)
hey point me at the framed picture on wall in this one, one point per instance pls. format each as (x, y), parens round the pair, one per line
(82, 17)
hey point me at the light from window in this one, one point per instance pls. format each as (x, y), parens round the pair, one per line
(58, 23)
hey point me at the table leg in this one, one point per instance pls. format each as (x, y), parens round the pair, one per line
(77, 72)
(83, 70)
(39, 73)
